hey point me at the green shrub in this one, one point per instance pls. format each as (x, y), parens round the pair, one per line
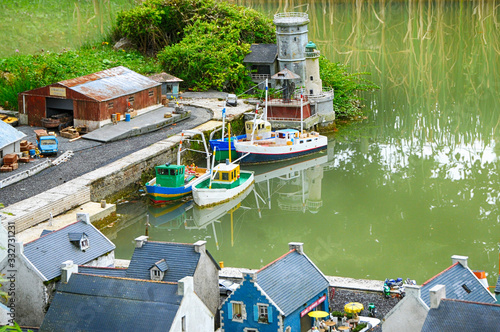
(345, 86)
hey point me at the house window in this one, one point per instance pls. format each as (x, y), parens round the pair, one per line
(110, 105)
(263, 314)
(131, 99)
(156, 273)
(311, 78)
(183, 323)
(151, 93)
(237, 312)
(294, 38)
(467, 289)
(310, 92)
(84, 244)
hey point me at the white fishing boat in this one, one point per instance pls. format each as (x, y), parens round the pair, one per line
(282, 145)
(226, 182)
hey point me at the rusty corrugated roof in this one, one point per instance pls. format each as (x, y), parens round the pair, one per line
(110, 83)
(164, 77)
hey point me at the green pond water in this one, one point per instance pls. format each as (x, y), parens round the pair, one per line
(396, 194)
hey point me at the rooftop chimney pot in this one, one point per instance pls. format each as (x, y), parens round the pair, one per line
(200, 246)
(299, 246)
(67, 269)
(139, 241)
(437, 293)
(461, 259)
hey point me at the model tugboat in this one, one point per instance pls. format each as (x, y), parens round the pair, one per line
(173, 182)
(226, 181)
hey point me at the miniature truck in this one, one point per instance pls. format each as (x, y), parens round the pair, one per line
(47, 144)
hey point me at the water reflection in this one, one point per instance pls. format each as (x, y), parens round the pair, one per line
(295, 186)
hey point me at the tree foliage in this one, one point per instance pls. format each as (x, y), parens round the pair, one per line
(202, 42)
(345, 86)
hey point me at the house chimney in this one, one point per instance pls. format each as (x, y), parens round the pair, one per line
(139, 241)
(461, 259)
(185, 286)
(67, 269)
(299, 246)
(437, 293)
(412, 291)
(249, 275)
(19, 247)
(85, 217)
(200, 246)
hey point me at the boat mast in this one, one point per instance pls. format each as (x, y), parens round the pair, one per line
(223, 121)
(301, 115)
(229, 140)
(265, 110)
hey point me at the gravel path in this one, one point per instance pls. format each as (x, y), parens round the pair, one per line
(90, 155)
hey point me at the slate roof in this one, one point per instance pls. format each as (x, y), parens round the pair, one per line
(49, 251)
(456, 315)
(262, 53)
(453, 278)
(291, 281)
(181, 259)
(110, 83)
(103, 271)
(96, 303)
(9, 134)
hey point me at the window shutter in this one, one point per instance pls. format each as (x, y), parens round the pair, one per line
(270, 314)
(230, 311)
(256, 313)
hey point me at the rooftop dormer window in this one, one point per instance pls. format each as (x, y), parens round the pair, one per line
(79, 240)
(157, 271)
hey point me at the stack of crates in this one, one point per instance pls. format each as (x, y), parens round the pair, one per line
(9, 163)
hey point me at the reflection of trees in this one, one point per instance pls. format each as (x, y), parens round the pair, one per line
(437, 62)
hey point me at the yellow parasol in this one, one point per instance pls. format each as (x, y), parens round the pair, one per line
(318, 314)
(353, 307)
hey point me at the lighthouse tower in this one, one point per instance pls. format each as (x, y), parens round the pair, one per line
(314, 85)
(291, 37)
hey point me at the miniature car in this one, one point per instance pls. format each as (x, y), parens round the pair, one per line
(226, 287)
(231, 100)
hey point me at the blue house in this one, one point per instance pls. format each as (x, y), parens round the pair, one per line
(278, 297)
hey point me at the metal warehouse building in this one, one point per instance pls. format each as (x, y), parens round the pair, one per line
(91, 99)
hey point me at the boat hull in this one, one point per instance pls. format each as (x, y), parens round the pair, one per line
(260, 154)
(205, 197)
(161, 195)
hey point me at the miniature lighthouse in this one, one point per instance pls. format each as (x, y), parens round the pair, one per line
(314, 85)
(291, 37)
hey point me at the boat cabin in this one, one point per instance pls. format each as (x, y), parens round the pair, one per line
(170, 176)
(226, 176)
(262, 129)
(286, 135)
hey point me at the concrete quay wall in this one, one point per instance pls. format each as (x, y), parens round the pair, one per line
(102, 183)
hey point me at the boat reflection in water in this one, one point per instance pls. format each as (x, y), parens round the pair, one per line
(188, 216)
(296, 187)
